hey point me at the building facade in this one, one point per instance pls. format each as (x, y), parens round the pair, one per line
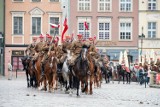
(2, 36)
(114, 22)
(25, 20)
(149, 20)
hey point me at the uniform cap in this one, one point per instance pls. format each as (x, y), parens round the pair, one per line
(79, 36)
(34, 38)
(41, 36)
(91, 39)
(48, 36)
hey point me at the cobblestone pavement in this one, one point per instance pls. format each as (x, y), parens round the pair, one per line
(14, 93)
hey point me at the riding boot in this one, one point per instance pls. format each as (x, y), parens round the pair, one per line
(42, 69)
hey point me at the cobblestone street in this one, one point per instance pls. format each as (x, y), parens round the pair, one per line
(14, 93)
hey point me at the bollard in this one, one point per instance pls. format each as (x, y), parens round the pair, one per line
(16, 73)
(152, 73)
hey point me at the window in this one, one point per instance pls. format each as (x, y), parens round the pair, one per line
(36, 0)
(18, 0)
(125, 31)
(81, 30)
(104, 31)
(151, 29)
(17, 63)
(54, 0)
(125, 5)
(36, 25)
(151, 4)
(84, 5)
(104, 5)
(54, 20)
(17, 25)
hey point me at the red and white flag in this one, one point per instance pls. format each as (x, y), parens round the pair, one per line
(54, 25)
(65, 28)
(86, 25)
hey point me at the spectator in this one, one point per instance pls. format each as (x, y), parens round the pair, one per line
(148, 76)
(9, 70)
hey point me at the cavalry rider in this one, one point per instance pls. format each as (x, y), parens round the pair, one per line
(38, 48)
(67, 44)
(93, 51)
(30, 48)
(45, 49)
(76, 48)
(158, 62)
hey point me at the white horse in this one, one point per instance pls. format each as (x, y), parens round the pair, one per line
(66, 72)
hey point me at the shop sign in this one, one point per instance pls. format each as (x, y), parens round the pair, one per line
(17, 53)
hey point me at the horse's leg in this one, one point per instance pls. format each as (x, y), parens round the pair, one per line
(28, 85)
(91, 82)
(129, 78)
(78, 83)
(123, 78)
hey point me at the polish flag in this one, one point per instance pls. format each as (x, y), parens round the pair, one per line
(86, 25)
(54, 25)
(65, 28)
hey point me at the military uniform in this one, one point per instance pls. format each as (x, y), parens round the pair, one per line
(158, 62)
(76, 49)
(45, 49)
(31, 49)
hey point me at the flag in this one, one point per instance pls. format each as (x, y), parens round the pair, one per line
(65, 28)
(94, 37)
(86, 25)
(54, 25)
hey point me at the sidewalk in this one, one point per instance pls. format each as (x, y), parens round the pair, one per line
(20, 75)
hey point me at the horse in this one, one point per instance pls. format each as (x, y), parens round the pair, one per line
(123, 73)
(25, 63)
(80, 70)
(50, 72)
(93, 71)
(66, 73)
(98, 77)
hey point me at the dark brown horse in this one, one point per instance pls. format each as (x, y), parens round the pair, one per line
(80, 70)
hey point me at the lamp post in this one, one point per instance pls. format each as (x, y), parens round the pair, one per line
(141, 37)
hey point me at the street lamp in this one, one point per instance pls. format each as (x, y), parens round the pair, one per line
(141, 37)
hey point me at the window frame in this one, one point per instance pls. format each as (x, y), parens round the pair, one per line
(131, 32)
(35, 1)
(152, 2)
(125, 10)
(54, 1)
(82, 20)
(84, 2)
(54, 23)
(104, 31)
(152, 30)
(32, 23)
(18, 14)
(110, 2)
(18, 1)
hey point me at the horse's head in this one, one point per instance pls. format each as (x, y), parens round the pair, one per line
(52, 58)
(84, 52)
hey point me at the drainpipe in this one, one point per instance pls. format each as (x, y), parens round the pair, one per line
(4, 37)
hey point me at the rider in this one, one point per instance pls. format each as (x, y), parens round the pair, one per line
(76, 48)
(67, 44)
(45, 50)
(38, 48)
(30, 48)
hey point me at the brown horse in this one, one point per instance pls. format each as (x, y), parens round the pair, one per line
(98, 77)
(50, 72)
(92, 71)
